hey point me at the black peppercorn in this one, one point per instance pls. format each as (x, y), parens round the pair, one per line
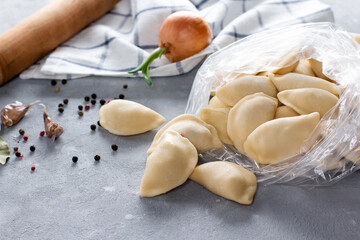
(64, 81)
(98, 123)
(87, 98)
(61, 105)
(121, 96)
(32, 148)
(93, 127)
(17, 154)
(81, 113)
(93, 101)
(102, 101)
(74, 159)
(21, 132)
(61, 109)
(97, 158)
(80, 107)
(66, 101)
(53, 82)
(93, 96)
(125, 86)
(114, 147)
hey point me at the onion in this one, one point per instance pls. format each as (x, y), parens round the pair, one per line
(182, 35)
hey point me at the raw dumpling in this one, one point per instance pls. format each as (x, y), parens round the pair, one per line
(202, 135)
(215, 102)
(285, 62)
(280, 138)
(169, 165)
(316, 66)
(354, 155)
(123, 117)
(329, 162)
(217, 117)
(304, 68)
(228, 180)
(308, 100)
(235, 90)
(296, 80)
(357, 38)
(285, 111)
(249, 113)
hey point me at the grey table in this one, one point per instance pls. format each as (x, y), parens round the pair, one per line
(100, 200)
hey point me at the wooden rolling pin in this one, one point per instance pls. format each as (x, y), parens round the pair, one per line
(43, 31)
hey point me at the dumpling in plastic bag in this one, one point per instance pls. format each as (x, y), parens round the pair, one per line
(357, 38)
(217, 117)
(228, 180)
(304, 67)
(354, 156)
(123, 117)
(169, 165)
(202, 135)
(215, 102)
(308, 100)
(241, 87)
(249, 113)
(296, 80)
(316, 66)
(278, 139)
(285, 111)
(290, 62)
(330, 161)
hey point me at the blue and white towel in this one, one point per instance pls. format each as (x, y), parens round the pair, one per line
(124, 37)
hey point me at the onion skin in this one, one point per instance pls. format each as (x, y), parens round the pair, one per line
(184, 34)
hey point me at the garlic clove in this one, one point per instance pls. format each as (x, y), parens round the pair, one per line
(12, 113)
(52, 129)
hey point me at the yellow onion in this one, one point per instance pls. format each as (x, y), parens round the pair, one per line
(182, 35)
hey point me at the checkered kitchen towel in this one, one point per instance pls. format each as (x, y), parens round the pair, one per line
(124, 37)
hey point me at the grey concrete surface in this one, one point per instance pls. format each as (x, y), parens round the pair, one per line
(99, 200)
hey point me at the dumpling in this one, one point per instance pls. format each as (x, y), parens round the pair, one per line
(357, 38)
(323, 130)
(217, 117)
(228, 180)
(308, 100)
(123, 117)
(304, 67)
(354, 155)
(202, 135)
(287, 62)
(329, 162)
(316, 66)
(169, 165)
(278, 139)
(249, 113)
(285, 111)
(296, 80)
(235, 90)
(215, 102)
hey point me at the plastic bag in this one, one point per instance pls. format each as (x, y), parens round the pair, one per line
(332, 152)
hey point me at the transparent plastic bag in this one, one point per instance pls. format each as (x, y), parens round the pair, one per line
(332, 152)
